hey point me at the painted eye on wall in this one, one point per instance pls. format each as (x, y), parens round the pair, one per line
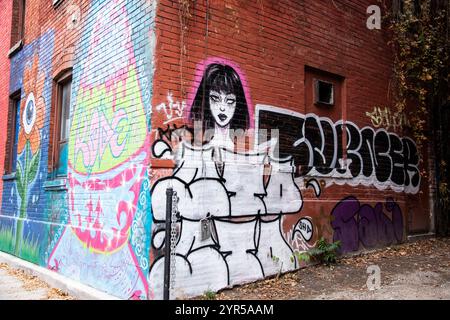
(29, 114)
(214, 98)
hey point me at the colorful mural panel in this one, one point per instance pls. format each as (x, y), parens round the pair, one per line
(23, 209)
(105, 243)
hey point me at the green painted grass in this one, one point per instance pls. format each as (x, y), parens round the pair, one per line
(29, 248)
(30, 251)
(7, 240)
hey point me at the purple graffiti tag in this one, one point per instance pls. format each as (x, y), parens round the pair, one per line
(397, 218)
(344, 225)
(354, 223)
(385, 229)
(367, 226)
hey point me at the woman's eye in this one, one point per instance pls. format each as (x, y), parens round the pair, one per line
(215, 98)
(231, 101)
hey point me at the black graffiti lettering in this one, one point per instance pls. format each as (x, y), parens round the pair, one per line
(291, 140)
(339, 149)
(411, 162)
(301, 150)
(383, 161)
(303, 226)
(328, 152)
(313, 134)
(367, 151)
(396, 154)
(375, 157)
(353, 144)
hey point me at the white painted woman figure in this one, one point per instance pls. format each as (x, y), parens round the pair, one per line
(221, 107)
(220, 104)
(230, 195)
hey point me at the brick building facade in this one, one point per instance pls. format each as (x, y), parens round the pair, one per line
(120, 100)
(5, 45)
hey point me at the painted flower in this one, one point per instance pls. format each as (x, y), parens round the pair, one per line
(32, 108)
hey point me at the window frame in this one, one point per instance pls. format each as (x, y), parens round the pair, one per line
(17, 29)
(56, 123)
(21, 24)
(13, 119)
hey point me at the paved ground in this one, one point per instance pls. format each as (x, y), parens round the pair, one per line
(418, 270)
(17, 285)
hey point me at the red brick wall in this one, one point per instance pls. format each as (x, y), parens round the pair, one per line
(272, 43)
(5, 44)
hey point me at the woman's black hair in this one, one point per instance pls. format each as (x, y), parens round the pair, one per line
(220, 78)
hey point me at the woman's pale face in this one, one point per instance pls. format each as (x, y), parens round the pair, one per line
(222, 107)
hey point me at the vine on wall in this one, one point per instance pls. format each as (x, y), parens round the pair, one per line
(420, 42)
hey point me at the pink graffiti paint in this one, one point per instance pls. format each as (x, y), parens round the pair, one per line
(90, 225)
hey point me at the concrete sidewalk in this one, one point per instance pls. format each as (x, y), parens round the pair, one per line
(22, 280)
(12, 288)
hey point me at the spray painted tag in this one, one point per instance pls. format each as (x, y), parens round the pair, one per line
(305, 227)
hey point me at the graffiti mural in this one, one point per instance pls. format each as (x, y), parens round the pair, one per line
(242, 178)
(240, 194)
(373, 157)
(255, 183)
(106, 242)
(386, 118)
(356, 223)
(22, 230)
(172, 110)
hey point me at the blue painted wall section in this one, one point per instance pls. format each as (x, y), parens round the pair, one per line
(22, 220)
(94, 224)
